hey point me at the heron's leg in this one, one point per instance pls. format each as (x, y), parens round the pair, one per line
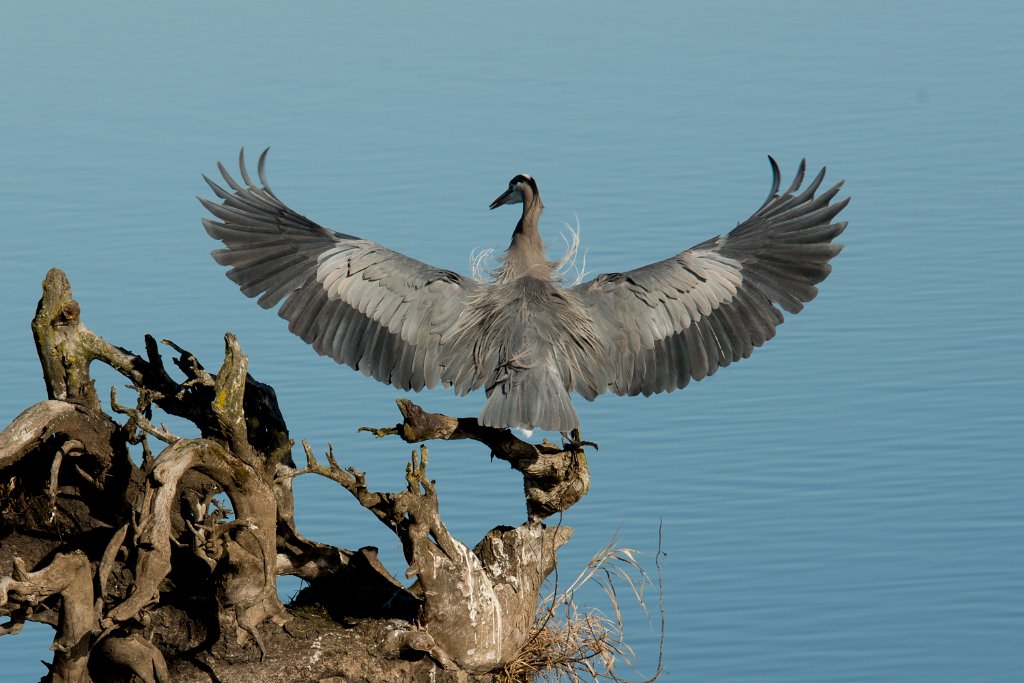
(573, 441)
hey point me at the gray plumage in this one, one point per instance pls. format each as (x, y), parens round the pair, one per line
(525, 339)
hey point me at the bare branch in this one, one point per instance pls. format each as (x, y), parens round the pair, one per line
(138, 419)
(554, 477)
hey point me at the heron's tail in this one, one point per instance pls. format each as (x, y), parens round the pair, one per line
(532, 398)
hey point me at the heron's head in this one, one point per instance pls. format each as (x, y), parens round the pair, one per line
(520, 189)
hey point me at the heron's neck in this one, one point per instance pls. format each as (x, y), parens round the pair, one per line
(525, 255)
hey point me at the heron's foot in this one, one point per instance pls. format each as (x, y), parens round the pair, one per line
(573, 442)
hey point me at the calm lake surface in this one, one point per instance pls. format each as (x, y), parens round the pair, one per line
(846, 505)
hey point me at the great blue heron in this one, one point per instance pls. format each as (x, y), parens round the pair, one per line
(525, 339)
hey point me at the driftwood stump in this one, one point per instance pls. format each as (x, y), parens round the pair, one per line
(162, 566)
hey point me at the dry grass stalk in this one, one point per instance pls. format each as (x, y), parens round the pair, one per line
(577, 644)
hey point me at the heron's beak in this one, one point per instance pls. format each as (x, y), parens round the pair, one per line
(502, 199)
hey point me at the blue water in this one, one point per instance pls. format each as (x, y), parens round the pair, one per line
(844, 506)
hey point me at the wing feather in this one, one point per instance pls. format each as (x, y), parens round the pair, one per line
(354, 300)
(711, 305)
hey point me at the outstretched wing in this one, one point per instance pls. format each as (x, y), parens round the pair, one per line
(371, 308)
(713, 304)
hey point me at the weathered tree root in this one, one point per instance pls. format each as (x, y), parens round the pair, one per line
(477, 605)
(248, 546)
(71, 577)
(167, 570)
